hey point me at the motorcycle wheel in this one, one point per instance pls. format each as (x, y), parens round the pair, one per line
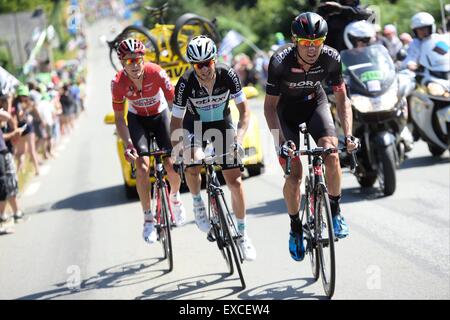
(386, 170)
(435, 150)
(366, 182)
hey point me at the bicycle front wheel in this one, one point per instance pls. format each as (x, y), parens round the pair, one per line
(229, 236)
(165, 226)
(325, 240)
(311, 236)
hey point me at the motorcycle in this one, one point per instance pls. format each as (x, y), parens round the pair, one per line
(430, 102)
(378, 96)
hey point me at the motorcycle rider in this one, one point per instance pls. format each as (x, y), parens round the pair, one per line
(424, 27)
(361, 34)
(338, 15)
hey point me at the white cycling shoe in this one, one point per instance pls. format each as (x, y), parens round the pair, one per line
(149, 232)
(179, 212)
(201, 218)
(247, 248)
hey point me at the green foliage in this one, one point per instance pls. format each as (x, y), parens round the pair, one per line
(6, 60)
(7, 6)
(401, 12)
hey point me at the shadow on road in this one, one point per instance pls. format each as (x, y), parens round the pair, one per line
(193, 288)
(291, 289)
(272, 207)
(118, 276)
(424, 162)
(106, 197)
(357, 194)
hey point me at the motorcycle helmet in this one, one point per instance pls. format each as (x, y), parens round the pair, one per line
(423, 19)
(358, 31)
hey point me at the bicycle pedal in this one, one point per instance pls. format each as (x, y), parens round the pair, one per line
(211, 237)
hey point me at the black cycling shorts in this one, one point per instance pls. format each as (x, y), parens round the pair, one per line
(315, 113)
(220, 133)
(141, 128)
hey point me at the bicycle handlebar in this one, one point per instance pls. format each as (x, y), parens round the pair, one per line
(319, 151)
(210, 160)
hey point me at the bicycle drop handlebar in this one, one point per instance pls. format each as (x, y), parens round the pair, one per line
(320, 151)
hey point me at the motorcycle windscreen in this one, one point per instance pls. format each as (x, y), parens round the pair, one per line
(369, 71)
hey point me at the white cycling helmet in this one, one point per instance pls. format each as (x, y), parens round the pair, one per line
(358, 30)
(201, 48)
(423, 19)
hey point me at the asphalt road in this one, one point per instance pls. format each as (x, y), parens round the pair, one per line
(83, 237)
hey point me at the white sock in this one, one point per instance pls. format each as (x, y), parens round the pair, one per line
(148, 216)
(197, 198)
(241, 226)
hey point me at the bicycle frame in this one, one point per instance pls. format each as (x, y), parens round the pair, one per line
(213, 189)
(223, 229)
(318, 228)
(160, 184)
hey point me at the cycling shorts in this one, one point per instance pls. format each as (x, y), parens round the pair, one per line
(220, 133)
(142, 128)
(315, 113)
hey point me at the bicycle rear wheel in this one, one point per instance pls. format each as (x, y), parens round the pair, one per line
(311, 239)
(325, 238)
(151, 45)
(229, 236)
(165, 226)
(187, 27)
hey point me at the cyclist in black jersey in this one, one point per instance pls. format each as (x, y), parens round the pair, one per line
(205, 90)
(294, 95)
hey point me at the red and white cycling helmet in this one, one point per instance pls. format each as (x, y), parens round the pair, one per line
(130, 45)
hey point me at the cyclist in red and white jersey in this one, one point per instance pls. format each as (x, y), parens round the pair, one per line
(149, 92)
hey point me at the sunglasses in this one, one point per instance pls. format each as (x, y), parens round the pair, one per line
(130, 61)
(204, 64)
(310, 42)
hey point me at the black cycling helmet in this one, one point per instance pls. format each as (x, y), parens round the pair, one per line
(309, 25)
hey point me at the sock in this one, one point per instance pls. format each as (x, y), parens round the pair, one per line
(334, 205)
(148, 216)
(197, 198)
(175, 197)
(296, 224)
(241, 226)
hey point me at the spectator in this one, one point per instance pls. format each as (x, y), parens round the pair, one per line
(244, 69)
(391, 41)
(36, 97)
(27, 142)
(406, 40)
(68, 109)
(8, 176)
(47, 113)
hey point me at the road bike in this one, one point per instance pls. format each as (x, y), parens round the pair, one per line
(223, 228)
(316, 212)
(160, 205)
